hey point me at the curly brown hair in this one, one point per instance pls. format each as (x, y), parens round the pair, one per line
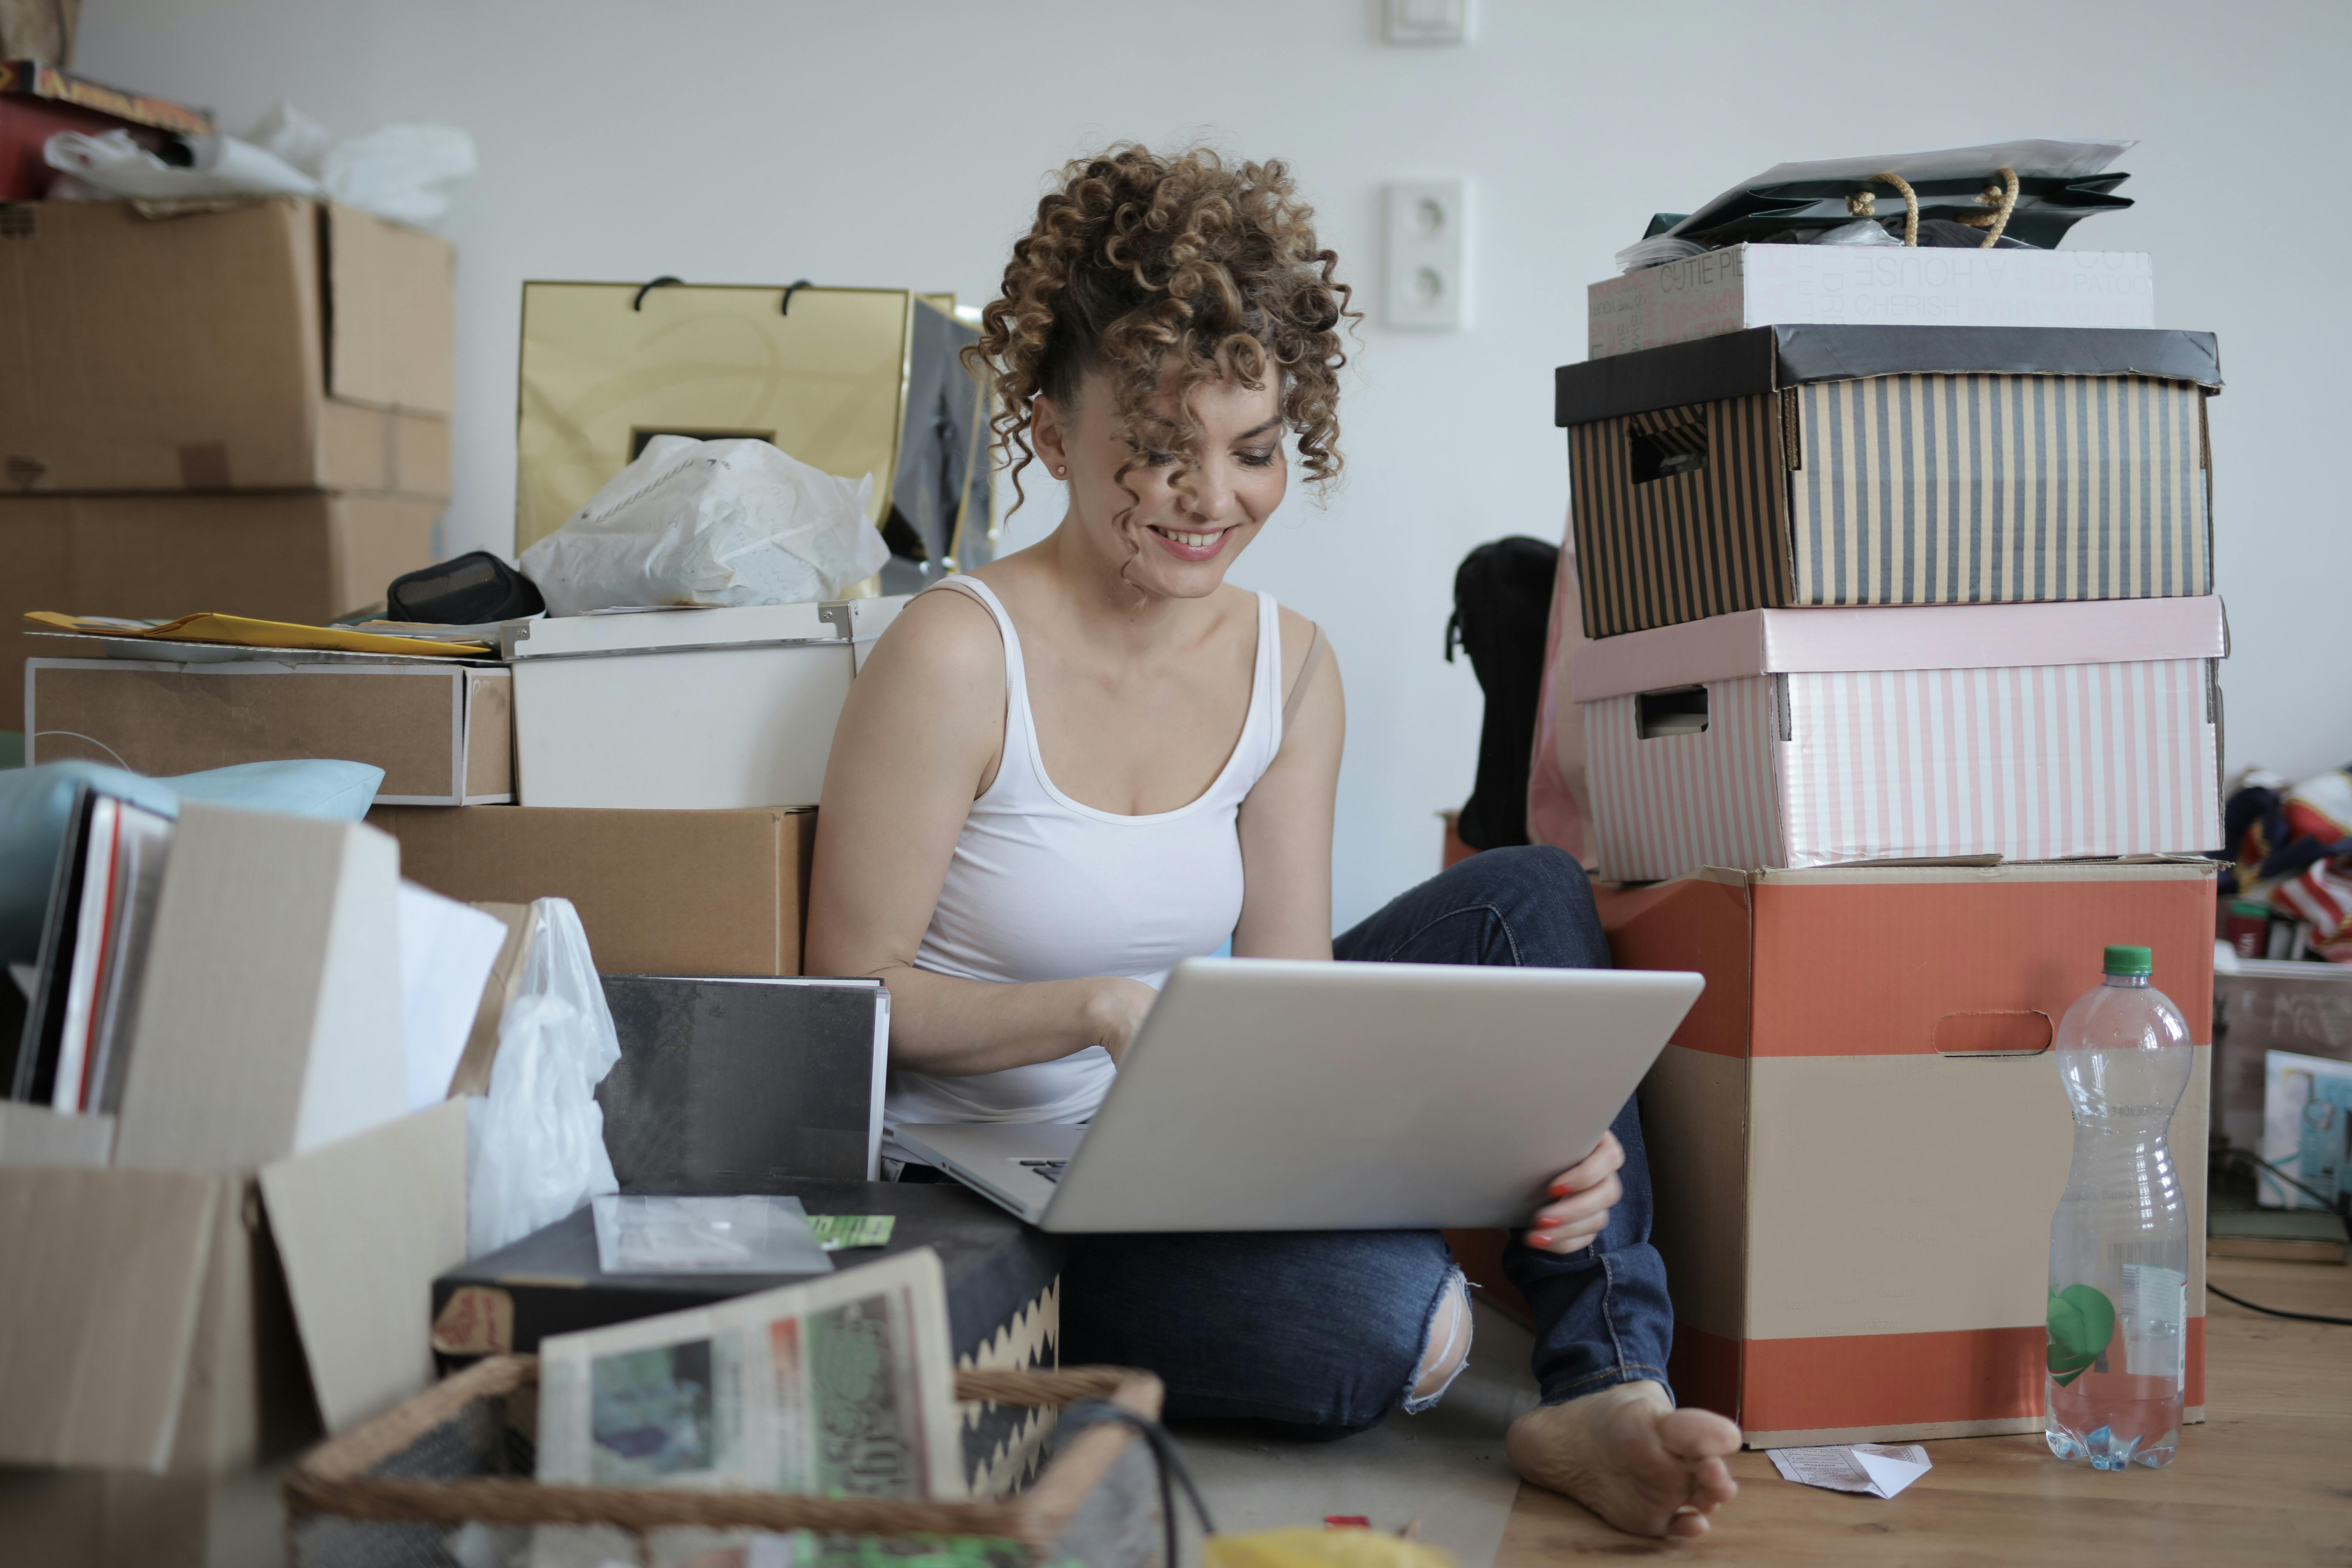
(1135, 260)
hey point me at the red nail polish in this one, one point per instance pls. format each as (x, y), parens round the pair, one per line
(1560, 1189)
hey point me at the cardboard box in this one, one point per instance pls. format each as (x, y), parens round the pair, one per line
(2261, 1005)
(1823, 737)
(1743, 286)
(279, 344)
(255, 1270)
(1824, 465)
(1004, 1282)
(685, 710)
(441, 731)
(195, 1323)
(1858, 1137)
(306, 556)
(660, 893)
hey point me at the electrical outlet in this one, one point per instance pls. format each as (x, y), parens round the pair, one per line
(1429, 245)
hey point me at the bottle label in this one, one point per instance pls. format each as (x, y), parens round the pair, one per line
(2156, 1321)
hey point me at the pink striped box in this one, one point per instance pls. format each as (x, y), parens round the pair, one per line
(1824, 736)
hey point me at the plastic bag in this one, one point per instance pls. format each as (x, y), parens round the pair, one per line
(749, 1234)
(710, 523)
(112, 167)
(402, 172)
(535, 1144)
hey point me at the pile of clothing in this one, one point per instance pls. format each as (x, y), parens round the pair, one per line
(2292, 846)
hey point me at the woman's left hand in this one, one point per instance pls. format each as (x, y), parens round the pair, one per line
(1587, 1190)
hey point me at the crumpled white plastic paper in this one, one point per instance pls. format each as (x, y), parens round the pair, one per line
(112, 167)
(535, 1144)
(710, 523)
(400, 172)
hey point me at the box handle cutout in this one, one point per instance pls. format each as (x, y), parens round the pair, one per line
(1996, 1032)
(1656, 454)
(1676, 710)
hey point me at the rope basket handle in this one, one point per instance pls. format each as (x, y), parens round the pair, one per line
(2002, 197)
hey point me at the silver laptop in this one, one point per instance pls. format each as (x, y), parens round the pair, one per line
(1265, 1095)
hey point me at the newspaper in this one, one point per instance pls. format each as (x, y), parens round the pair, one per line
(842, 1387)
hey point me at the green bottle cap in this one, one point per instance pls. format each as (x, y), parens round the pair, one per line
(2129, 961)
(2247, 906)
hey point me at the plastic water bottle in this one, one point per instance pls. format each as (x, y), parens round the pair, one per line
(2119, 1246)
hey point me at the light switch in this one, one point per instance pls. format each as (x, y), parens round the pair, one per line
(1429, 233)
(1429, 21)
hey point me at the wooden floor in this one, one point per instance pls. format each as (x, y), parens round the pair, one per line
(2266, 1479)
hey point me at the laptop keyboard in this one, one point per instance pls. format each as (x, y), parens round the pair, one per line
(1049, 1169)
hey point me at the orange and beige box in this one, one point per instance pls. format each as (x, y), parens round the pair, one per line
(1858, 1136)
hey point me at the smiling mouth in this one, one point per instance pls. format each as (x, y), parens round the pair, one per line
(1192, 541)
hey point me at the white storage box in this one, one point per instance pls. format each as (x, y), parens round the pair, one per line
(1744, 286)
(1822, 737)
(703, 710)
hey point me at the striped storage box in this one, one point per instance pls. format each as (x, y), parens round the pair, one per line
(1793, 738)
(1869, 1132)
(1818, 466)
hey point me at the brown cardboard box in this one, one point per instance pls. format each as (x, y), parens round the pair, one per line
(1858, 1136)
(277, 344)
(306, 556)
(443, 733)
(660, 893)
(175, 1326)
(199, 1322)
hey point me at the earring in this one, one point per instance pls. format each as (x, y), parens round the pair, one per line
(1060, 472)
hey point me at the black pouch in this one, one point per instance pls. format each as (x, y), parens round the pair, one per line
(474, 588)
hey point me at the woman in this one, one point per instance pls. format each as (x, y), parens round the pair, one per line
(1058, 776)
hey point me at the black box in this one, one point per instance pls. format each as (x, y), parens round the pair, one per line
(1005, 1296)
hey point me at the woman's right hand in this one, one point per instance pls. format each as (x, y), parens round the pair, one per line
(1112, 1010)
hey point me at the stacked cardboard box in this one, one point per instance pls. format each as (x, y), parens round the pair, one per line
(244, 411)
(1895, 698)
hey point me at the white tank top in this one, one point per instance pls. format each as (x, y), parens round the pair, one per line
(1043, 886)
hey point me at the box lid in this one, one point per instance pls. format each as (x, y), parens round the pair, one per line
(679, 629)
(1904, 636)
(1765, 359)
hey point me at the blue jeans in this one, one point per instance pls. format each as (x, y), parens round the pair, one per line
(1322, 1332)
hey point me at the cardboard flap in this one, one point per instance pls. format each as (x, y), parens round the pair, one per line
(392, 321)
(271, 1021)
(362, 1227)
(99, 1298)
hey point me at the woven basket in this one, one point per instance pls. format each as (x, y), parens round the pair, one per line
(397, 1490)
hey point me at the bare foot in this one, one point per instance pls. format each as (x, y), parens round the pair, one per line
(1628, 1455)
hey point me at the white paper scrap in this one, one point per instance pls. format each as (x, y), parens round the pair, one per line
(446, 950)
(1880, 1469)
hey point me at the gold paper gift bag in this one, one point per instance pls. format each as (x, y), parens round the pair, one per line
(851, 381)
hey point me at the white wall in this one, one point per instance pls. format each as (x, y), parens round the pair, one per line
(904, 144)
